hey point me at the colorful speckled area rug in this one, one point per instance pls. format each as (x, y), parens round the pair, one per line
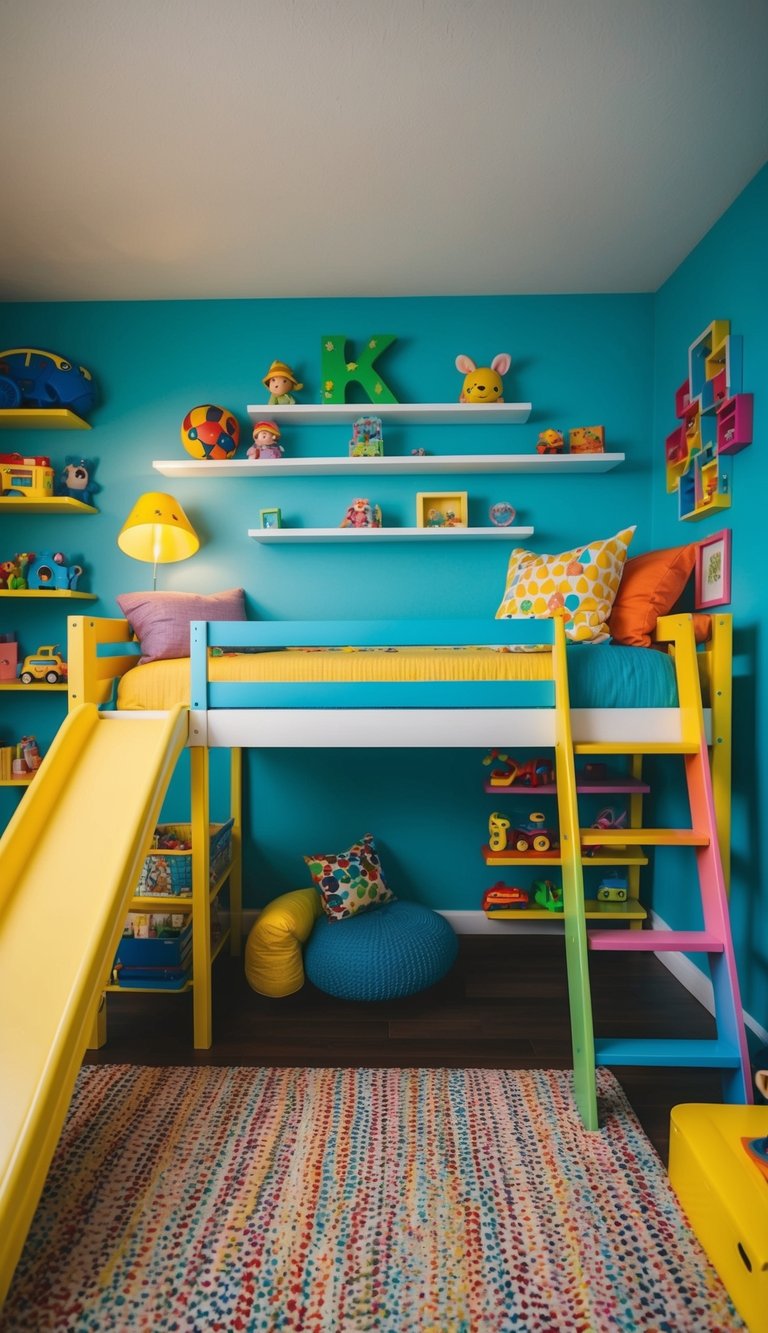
(337, 1200)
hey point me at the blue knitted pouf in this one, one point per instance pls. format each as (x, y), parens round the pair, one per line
(380, 954)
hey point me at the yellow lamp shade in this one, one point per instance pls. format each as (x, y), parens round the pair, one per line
(157, 530)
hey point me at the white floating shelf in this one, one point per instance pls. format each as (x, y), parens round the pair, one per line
(386, 534)
(547, 465)
(425, 414)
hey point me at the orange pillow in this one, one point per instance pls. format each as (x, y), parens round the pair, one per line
(650, 586)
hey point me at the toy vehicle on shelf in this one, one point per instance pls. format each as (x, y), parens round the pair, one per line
(532, 835)
(503, 897)
(44, 665)
(607, 819)
(26, 478)
(613, 889)
(547, 894)
(531, 773)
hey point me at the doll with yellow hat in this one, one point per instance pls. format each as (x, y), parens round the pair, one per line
(266, 437)
(280, 380)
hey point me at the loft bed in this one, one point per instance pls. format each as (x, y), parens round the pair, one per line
(502, 684)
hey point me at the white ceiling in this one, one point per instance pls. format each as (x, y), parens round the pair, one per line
(162, 149)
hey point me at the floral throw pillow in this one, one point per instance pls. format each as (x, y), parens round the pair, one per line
(350, 881)
(580, 585)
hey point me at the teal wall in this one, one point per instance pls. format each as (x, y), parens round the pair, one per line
(726, 277)
(579, 360)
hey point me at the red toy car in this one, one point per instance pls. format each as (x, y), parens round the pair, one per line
(502, 897)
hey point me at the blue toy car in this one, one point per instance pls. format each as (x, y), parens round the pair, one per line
(30, 377)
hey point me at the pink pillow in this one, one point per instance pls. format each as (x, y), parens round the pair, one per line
(161, 620)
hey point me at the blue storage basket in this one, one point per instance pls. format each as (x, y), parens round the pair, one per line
(169, 874)
(380, 954)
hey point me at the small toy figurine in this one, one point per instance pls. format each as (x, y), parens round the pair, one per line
(550, 442)
(435, 518)
(210, 431)
(367, 440)
(613, 888)
(497, 832)
(548, 895)
(502, 514)
(587, 440)
(419, 453)
(13, 573)
(50, 570)
(483, 384)
(266, 436)
(280, 380)
(76, 479)
(361, 514)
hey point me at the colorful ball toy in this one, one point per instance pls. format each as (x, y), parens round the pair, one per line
(209, 431)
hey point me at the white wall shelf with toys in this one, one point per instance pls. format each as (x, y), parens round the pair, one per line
(425, 414)
(386, 534)
(434, 464)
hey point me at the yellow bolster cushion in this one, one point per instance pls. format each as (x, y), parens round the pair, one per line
(273, 960)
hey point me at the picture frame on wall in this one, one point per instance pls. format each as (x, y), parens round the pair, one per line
(271, 518)
(713, 570)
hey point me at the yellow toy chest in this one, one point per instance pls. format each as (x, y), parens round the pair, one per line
(725, 1196)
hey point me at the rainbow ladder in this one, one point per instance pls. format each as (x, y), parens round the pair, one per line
(728, 1050)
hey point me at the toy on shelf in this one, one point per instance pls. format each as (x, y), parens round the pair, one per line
(606, 819)
(266, 441)
(419, 453)
(339, 369)
(367, 440)
(531, 773)
(209, 431)
(13, 573)
(498, 827)
(46, 665)
(282, 383)
(9, 656)
(435, 509)
(503, 897)
(587, 440)
(30, 377)
(502, 514)
(76, 479)
(550, 442)
(483, 384)
(532, 835)
(27, 758)
(26, 478)
(50, 570)
(548, 895)
(715, 421)
(613, 888)
(361, 514)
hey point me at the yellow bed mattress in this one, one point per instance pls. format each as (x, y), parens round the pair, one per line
(600, 675)
(165, 684)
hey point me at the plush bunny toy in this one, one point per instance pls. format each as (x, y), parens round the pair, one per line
(483, 384)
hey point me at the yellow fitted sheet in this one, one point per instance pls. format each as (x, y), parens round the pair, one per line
(165, 684)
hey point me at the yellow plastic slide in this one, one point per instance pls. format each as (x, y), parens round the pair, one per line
(69, 862)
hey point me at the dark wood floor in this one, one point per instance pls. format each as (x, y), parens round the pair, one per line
(504, 1005)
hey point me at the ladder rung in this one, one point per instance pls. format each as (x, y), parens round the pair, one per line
(635, 837)
(636, 747)
(655, 941)
(680, 1053)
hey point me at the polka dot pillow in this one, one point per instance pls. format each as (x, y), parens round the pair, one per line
(578, 585)
(350, 881)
